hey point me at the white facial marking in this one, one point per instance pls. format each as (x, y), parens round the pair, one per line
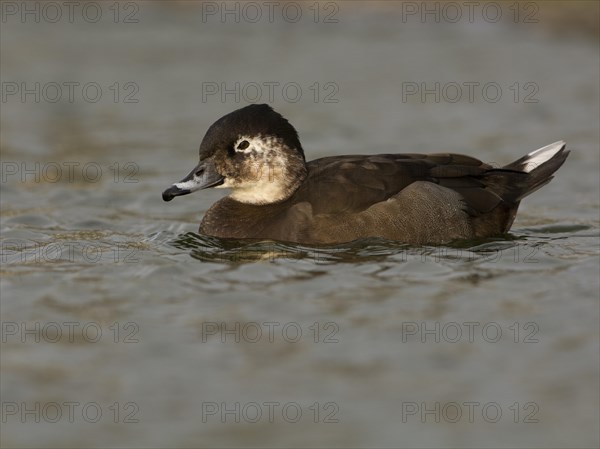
(262, 193)
(271, 181)
(544, 154)
(257, 144)
(191, 185)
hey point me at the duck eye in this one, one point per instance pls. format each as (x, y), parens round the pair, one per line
(243, 145)
(199, 172)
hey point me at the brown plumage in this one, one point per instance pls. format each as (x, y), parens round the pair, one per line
(413, 198)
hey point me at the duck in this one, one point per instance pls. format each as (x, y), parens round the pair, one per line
(417, 199)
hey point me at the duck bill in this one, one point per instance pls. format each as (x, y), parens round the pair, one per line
(203, 176)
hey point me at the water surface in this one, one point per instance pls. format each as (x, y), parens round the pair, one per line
(376, 343)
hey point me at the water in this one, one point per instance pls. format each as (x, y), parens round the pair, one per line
(112, 303)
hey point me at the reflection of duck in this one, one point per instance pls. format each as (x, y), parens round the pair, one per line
(412, 198)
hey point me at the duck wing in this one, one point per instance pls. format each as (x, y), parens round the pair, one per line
(350, 184)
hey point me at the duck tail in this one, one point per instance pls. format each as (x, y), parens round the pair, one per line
(539, 165)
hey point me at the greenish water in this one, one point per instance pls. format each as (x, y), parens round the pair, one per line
(112, 303)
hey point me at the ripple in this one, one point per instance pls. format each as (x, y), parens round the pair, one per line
(213, 249)
(557, 229)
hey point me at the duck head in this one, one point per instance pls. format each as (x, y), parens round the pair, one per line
(254, 151)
